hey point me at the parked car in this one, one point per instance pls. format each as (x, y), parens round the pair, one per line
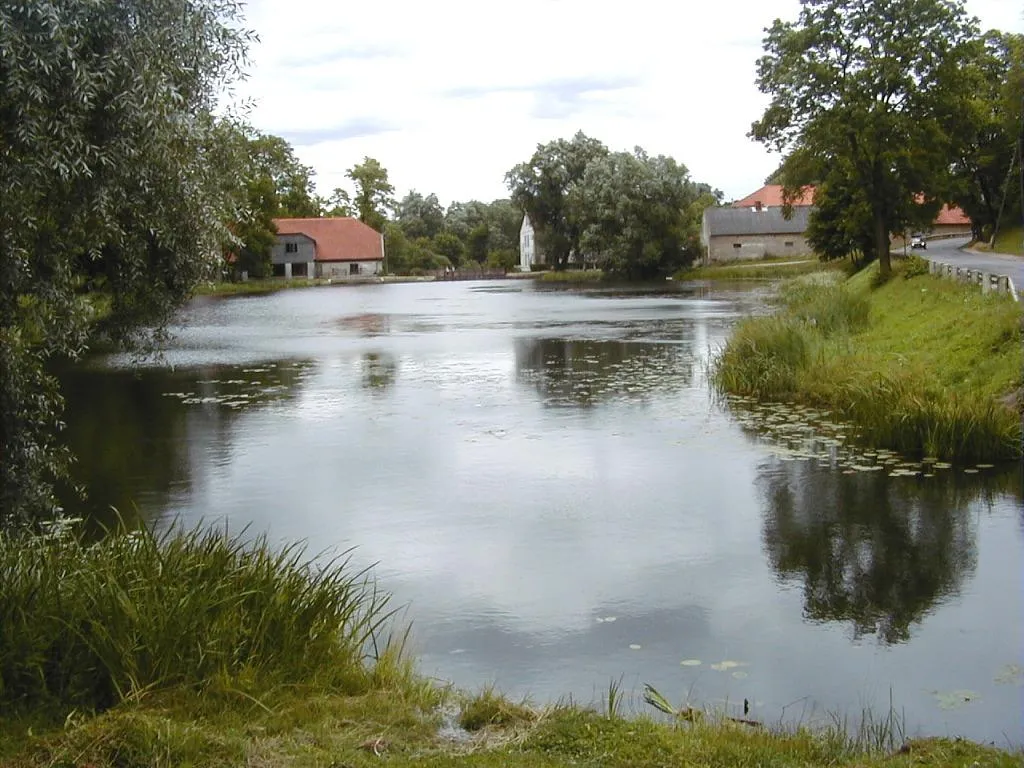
(917, 241)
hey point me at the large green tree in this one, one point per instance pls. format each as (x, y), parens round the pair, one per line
(548, 186)
(374, 196)
(116, 182)
(420, 215)
(872, 87)
(985, 186)
(273, 158)
(636, 208)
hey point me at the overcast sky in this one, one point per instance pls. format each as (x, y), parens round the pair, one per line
(450, 94)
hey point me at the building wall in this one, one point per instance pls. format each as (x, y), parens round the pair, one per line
(337, 269)
(528, 251)
(302, 249)
(724, 247)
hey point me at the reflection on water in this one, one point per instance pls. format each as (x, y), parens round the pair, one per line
(526, 465)
(379, 370)
(583, 372)
(869, 552)
(134, 433)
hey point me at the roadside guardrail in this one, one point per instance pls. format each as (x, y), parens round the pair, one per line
(988, 281)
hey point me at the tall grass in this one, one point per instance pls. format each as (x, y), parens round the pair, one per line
(918, 366)
(87, 625)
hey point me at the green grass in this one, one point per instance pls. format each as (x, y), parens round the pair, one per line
(256, 287)
(197, 649)
(305, 727)
(761, 269)
(572, 276)
(1010, 241)
(91, 625)
(919, 364)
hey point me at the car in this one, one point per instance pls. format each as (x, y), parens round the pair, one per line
(917, 241)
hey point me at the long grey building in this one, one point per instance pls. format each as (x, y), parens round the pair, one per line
(732, 234)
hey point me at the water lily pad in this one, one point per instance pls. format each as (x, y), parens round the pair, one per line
(722, 666)
(739, 674)
(942, 465)
(690, 663)
(1011, 674)
(954, 699)
(970, 471)
(985, 466)
(635, 647)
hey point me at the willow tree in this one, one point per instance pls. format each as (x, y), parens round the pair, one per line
(870, 87)
(116, 187)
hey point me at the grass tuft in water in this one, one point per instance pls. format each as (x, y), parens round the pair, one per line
(88, 625)
(490, 709)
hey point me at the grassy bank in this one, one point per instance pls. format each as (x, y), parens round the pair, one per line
(761, 269)
(197, 649)
(258, 287)
(572, 276)
(920, 365)
(1007, 241)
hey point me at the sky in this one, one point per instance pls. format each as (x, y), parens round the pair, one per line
(449, 95)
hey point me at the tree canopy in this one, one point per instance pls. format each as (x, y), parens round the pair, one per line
(635, 215)
(374, 196)
(864, 94)
(116, 180)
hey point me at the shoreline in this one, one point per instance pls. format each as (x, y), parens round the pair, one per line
(918, 364)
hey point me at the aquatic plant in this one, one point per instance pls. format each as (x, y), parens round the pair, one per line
(90, 624)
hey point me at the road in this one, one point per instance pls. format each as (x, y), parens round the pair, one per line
(948, 252)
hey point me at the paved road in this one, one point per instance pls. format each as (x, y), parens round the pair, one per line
(948, 252)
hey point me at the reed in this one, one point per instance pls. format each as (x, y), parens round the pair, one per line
(91, 624)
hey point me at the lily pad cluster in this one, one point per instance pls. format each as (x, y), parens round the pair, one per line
(245, 387)
(800, 433)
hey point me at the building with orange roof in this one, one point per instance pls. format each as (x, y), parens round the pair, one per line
(770, 196)
(326, 247)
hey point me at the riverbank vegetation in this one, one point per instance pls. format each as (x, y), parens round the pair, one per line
(760, 269)
(572, 276)
(199, 648)
(920, 365)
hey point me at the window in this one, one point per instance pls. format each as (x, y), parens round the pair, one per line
(737, 245)
(789, 243)
(291, 247)
(353, 269)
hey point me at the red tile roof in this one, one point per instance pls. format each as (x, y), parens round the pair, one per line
(337, 239)
(952, 214)
(770, 196)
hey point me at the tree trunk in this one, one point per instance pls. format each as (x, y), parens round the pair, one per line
(882, 243)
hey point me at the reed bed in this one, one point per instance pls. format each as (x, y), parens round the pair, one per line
(91, 624)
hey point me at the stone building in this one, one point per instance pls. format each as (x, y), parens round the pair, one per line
(326, 247)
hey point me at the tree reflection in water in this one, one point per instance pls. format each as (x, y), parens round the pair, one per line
(585, 372)
(135, 433)
(874, 551)
(378, 370)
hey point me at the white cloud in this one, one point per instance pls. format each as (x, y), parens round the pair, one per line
(449, 95)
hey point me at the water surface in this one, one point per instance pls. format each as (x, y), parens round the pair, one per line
(547, 484)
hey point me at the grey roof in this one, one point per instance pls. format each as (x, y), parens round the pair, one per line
(768, 221)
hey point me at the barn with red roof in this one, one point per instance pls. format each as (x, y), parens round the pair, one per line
(327, 247)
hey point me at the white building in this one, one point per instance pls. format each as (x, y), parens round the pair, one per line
(529, 254)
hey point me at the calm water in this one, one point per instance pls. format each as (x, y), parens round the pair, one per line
(546, 483)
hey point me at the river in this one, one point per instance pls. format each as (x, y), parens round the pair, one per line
(549, 489)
